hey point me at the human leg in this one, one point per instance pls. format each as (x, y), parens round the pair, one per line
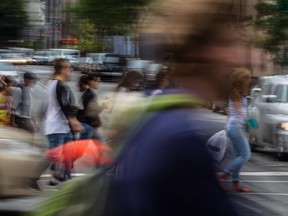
(240, 147)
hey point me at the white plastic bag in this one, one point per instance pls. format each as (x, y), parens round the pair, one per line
(217, 145)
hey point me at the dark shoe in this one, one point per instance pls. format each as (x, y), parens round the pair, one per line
(237, 187)
(34, 185)
(58, 177)
(53, 183)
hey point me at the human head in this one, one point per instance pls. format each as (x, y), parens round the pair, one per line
(202, 43)
(29, 78)
(131, 80)
(93, 80)
(62, 69)
(6, 83)
(82, 83)
(162, 80)
(238, 84)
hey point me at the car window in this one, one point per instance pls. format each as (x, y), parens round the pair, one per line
(266, 89)
(279, 93)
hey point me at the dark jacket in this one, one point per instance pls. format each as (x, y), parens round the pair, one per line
(91, 109)
(165, 170)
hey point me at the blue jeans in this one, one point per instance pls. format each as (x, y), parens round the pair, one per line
(89, 133)
(56, 140)
(240, 148)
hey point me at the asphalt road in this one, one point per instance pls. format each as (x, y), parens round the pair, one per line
(264, 174)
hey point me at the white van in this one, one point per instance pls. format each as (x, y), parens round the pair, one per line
(65, 53)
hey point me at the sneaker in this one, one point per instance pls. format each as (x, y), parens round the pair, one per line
(236, 187)
(53, 183)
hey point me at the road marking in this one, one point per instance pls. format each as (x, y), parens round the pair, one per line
(261, 181)
(73, 174)
(264, 173)
(266, 194)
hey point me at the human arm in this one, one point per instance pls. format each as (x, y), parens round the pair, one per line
(66, 102)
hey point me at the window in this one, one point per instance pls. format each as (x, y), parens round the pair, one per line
(279, 93)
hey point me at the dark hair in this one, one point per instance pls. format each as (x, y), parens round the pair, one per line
(93, 76)
(160, 76)
(82, 83)
(129, 78)
(59, 64)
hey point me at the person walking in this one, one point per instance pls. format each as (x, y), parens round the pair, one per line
(5, 103)
(238, 88)
(22, 103)
(90, 118)
(131, 81)
(164, 168)
(59, 122)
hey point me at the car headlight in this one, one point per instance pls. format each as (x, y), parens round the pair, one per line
(283, 126)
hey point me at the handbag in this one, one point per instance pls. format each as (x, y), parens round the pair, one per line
(217, 145)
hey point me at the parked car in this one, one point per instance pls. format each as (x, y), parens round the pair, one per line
(113, 67)
(16, 58)
(269, 107)
(43, 57)
(84, 65)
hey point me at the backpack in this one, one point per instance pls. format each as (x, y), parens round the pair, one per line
(85, 196)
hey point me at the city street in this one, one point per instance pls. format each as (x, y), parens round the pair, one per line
(264, 174)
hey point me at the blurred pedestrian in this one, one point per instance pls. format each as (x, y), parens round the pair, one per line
(5, 103)
(131, 81)
(82, 87)
(91, 108)
(162, 82)
(59, 122)
(238, 89)
(22, 103)
(165, 168)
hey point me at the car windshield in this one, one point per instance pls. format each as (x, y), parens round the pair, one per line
(6, 66)
(281, 93)
(112, 59)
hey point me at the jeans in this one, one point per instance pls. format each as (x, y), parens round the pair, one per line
(56, 140)
(89, 132)
(240, 148)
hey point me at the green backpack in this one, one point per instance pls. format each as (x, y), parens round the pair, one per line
(86, 195)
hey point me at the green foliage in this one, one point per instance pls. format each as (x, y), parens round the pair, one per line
(13, 18)
(272, 20)
(87, 37)
(110, 17)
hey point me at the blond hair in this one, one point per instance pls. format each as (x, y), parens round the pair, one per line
(239, 83)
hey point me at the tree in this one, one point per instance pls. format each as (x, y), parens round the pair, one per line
(87, 39)
(12, 20)
(272, 23)
(110, 17)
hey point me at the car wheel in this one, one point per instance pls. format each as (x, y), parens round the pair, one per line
(282, 156)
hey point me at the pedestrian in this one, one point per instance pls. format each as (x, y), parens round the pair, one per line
(59, 122)
(131, 81)
(22, 103)
(237, 115)
(162, 82)
(165, 168)
(91, 109)
(82, 87)
(5, 103)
